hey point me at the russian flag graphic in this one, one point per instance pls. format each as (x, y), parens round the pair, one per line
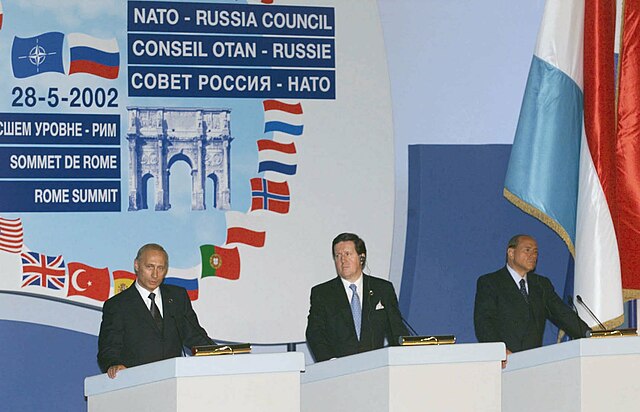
(100, 57)
(191, 285)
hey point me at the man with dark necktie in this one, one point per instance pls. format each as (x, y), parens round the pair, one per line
(149, 321)
(353, 312)
(513, 303)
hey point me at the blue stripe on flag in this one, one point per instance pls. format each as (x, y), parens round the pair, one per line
(543, 168)
(271, 166)
(94, 55)
(268, 195)
(275, 126)
(188, 284)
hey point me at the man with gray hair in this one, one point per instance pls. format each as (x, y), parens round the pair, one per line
(513, 304)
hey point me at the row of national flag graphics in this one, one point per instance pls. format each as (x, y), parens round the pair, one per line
(79, 279)
(31, 56)
(277, 158)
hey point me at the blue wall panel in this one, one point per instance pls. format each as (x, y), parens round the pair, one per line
(458, 226)
(43, 368)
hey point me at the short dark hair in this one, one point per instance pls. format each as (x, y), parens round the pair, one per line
(152, 246)
(361, 248)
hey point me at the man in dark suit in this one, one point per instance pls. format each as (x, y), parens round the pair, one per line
(353, 312)
(148, 321)
(513, 303)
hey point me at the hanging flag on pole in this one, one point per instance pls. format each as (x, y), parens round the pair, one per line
(628, 151)
(562, 169)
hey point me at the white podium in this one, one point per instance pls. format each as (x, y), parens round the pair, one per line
(459, 377)
(247, 382)
(581, 375)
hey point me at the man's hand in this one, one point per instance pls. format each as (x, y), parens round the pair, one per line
(504, 362)
(113, 370)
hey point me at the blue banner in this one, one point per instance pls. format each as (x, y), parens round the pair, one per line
(199, 50)
(51, 163)
(241, 83)
(60, 196)
(59, 129)
(155, 16)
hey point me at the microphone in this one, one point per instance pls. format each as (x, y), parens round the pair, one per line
(413, 331)
(579, 298)
(193, 325)
(175, 323)
(575, 310)
(201, 331)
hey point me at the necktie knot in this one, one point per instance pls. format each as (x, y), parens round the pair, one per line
(152, 296)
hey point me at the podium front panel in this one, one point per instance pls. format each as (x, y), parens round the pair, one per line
(464, 377)
(585, 375)
(239, 383)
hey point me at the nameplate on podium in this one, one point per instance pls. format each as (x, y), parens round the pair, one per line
(613, 333)
(212, 350)
(427, 340)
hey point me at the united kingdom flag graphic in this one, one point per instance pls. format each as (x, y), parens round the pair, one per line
(42, 270)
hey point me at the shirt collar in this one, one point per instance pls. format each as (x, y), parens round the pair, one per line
(358, 283)
(515, 275)
(145, 293)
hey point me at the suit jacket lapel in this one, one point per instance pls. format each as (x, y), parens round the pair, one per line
(536, 294)
(167, 305)
(511, 292)
(343, 306)
(142, 308)
(369, 299)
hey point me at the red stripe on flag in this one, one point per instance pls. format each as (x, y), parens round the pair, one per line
(245, 236)
(282, 106)
(599, 92)
(288, 148)
(628, 151)
(278, 188)
(86, 66)
(278, 206)
(11, 235)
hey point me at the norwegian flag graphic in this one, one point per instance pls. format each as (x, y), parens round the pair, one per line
(270, 195)
(42, 270)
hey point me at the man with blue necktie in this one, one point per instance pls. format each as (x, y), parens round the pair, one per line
(353, 312)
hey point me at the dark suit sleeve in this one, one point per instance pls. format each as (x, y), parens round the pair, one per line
(561, 314)
(317, 337)
(192, 333)
(110, 340)
(396, 325)
(485, 312)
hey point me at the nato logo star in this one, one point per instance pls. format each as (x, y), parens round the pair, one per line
(35, 55)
